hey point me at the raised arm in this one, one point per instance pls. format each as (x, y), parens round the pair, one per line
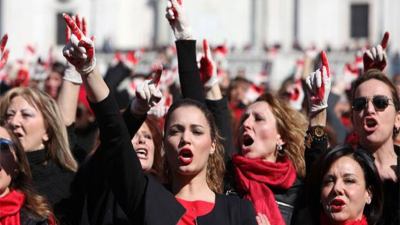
(115, 152)
(376, 56)
(318, 88)
(189, 75)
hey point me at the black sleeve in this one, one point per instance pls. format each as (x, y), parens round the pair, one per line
(189, 75)
(127, 180)
(132, 122)
(222, 117)
(77, 150)
(313, 152)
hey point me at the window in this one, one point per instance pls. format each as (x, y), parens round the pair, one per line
(359, 20)
(61, 25)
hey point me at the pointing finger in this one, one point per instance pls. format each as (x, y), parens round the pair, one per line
(325, 62)
(385, 40)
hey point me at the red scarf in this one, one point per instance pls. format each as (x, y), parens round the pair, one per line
(325, 221)
(10, 206)
(255, 177)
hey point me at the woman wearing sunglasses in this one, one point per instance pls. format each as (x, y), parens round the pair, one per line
(376, 121)
(19, 203)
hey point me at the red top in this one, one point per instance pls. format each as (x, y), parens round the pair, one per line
(194, 209)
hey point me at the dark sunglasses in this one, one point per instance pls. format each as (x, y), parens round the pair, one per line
(5, 145)
(380, 102)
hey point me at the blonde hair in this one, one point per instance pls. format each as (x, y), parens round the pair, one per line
(57, 146)
(215, 163)
(292, 126)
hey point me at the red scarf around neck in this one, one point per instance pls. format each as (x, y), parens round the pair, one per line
(325, 221)
(10, 206)
(255, 177)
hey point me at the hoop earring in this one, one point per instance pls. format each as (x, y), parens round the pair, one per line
(281, 151)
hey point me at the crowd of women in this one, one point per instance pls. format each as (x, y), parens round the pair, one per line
(206, 159)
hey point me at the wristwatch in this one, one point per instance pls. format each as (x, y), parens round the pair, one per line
(315, 133)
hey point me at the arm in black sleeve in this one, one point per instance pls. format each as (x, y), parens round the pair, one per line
(220, 111)
(314, 151)
(127, 179)
(133, 123)
(189, 75)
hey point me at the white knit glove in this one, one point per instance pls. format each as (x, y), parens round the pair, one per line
(319, 87)
(79, 50)
(208, 68)
(177, 19)
(147, 96)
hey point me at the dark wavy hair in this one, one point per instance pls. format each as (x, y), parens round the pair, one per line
(373, 183)
(215, 164)
(21, 178)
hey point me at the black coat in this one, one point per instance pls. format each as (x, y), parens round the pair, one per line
(51, 181)
(142, 198)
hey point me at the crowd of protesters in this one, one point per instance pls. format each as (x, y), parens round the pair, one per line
(188, 144)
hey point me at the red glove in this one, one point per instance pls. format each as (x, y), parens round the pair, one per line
(376, 56)
(3, 53)
(79, 50)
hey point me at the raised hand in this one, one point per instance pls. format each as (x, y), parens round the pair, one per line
(3, 53)
(208, 69)
(319, 86)
(79, 50)
(376, 56)
(175, 13)
(296, 95)
(147, 94)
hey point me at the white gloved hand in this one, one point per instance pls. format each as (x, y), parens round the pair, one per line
(318, 89)
(79, 50)
(177, 19)
(208, 68)
(147, 96)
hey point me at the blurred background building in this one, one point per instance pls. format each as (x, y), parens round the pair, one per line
(251, 25)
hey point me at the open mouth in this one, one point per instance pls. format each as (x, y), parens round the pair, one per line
(337, 205)
(185, 156)
(141, 152)
(370, 122)
(247, 140)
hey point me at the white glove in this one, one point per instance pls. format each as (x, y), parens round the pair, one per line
(72, 75)
(147, 96)
(79, 50)
(318, 88)
(177, 19)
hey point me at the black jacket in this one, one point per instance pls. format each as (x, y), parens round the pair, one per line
(51, 181)
(142, 198)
